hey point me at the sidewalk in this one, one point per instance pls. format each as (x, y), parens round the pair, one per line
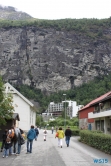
(47, 153)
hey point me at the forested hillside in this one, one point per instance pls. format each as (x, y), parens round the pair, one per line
(93, 28)
(83, 94)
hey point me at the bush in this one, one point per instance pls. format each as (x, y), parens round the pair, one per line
(97, 140)
(75, 132)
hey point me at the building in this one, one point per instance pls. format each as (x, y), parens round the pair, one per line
(55, 108)
(23, 107)
(71, 108)
(96, 115)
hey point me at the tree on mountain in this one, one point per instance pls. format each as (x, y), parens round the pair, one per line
(6, 107)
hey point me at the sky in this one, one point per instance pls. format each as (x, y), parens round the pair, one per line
(61, 9)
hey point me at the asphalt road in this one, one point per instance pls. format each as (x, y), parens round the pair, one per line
(47, 153)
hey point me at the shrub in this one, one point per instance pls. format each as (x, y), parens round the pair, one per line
(75, 132)
(97, 140)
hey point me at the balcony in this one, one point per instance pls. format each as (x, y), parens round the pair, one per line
(99, 114)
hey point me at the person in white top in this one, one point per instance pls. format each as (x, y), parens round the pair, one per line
(45, 134)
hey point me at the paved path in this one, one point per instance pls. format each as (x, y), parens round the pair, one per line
(47, 153)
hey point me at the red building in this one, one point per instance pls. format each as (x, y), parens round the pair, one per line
(89, 117)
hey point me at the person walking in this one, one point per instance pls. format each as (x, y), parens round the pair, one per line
(6, 147)
(4, 136)
(60, 135)
(52, 129)
(68, 134)
(19, 138)
(56, 129)
(37, 133)
(16, 139)
(30, 137)
(12, 135)
(45, 134)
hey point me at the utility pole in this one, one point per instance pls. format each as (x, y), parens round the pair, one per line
(65, 112)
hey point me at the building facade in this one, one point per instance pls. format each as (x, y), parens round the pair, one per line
(71, 108)
(23, 107)
(55, 109)
(97, 114)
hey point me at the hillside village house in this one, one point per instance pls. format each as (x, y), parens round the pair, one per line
(97, 114)
(23, 107)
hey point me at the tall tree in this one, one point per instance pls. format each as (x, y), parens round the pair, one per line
(6, 107)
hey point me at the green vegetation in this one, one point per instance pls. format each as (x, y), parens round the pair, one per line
(69, 122)
(6, 108)
(97, 140)
(83, 94)
(93, 28)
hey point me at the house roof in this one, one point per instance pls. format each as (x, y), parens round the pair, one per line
(96, 100)
(10, 89)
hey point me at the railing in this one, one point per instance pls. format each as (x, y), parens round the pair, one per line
(102, 110)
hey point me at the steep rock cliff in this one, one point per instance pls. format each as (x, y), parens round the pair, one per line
(52, 60)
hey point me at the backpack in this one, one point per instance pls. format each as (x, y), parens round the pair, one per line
(22, 140)
(11, 133)
(37, 131)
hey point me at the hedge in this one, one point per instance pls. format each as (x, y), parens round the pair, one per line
(97, 140)
(75, 132)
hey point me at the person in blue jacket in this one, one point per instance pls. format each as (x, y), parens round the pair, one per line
(31, 135)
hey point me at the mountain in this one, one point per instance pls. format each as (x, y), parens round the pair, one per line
(10, 13)
(55, 55)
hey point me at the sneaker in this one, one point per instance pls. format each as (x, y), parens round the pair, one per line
(16, 154)
(3, 156)
(61, 146)
(6, 156)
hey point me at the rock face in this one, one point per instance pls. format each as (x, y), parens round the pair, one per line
(10, 13)
(52, 60)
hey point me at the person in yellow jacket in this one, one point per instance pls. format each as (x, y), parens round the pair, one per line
(60, 135)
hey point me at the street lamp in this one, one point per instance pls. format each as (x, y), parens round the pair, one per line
(65, 112)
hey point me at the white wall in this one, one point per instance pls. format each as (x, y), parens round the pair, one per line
(23, 109)
(75, 109)
(74, 105)
(99, 115)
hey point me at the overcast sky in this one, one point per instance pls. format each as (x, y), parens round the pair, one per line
(59, 9)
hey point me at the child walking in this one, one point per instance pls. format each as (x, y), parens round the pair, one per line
(6, 147)
(45, 134)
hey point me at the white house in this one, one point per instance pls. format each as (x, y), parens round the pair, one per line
(23, 107)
